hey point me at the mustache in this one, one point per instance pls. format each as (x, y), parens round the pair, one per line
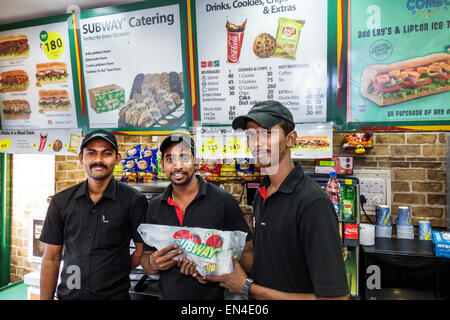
(98, 165)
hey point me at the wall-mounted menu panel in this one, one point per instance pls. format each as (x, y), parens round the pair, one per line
(36, 76)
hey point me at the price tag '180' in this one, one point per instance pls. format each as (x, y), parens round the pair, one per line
(53, 46)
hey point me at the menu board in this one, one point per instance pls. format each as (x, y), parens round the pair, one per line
(133, 67)
(399, 62)
(36, 87)
(249, 51)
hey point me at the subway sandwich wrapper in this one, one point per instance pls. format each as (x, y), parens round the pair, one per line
(211, 250)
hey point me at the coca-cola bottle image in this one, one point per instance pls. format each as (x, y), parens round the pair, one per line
(235, 36)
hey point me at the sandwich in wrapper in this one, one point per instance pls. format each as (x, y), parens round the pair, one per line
(54, 100)
(14, 80)
(406, 80)
(14, 47)
(51, 72)
(16, 109)
(211, 250)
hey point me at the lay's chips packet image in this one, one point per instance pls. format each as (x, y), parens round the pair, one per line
(288, 35)
(211, 250)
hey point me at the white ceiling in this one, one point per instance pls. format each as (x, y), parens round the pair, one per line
(20, 10)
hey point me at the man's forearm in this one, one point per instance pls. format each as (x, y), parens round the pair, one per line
(49, 279)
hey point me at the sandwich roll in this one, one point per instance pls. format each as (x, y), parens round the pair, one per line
(14, 47)
(406, 80)
(16, 109)
(14, 80)
(52, 72)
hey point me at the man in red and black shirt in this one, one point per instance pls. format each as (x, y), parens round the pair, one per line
(192, 202)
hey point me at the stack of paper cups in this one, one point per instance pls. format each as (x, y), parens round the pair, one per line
(367, 234)
(383, 227)
(405, 229)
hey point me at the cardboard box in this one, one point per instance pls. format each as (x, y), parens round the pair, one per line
(441, 243)
(106, 98)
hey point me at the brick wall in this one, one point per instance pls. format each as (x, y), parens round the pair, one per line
(418, 171)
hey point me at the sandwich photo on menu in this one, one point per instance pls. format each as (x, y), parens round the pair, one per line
(312, 143)
(52, 72)
(14, 47)
(54, 100)
(406, 80)
(16, 109)
(14, 80)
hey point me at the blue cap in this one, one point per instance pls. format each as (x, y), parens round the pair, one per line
(333, 174)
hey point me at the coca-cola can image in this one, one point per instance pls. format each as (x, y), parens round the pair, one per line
(234, 41)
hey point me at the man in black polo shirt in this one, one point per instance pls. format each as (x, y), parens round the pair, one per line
(95, 221)
(297, 248)
(193, 202)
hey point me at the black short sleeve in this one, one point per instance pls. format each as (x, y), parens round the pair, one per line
(150, 219)
(319, 235)
(53, 229)
(137, 216)
(234, 218)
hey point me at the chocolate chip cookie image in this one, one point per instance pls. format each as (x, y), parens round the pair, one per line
(57, 145)
(264, 45)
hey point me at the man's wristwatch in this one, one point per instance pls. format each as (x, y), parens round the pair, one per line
(246, 288)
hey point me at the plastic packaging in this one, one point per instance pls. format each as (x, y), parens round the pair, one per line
(333, 191)
(211, 250)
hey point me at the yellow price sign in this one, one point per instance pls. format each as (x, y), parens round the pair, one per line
(211, 146)
(4, 144)
(54, 46)
(234, 146)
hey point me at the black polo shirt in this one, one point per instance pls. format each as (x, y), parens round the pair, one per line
(296, 240)
(212, 208)
(96, 238)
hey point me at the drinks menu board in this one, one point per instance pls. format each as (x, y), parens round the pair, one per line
(36, 87)
(254, 50)
(133, 66)
(399, 62)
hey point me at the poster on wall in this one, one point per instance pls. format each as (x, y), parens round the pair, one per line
(314, 141)
(398, 62)
(133, 67)
(250, 51)
(41, 141)
(36, 87)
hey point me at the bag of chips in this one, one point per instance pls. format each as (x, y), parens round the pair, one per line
(211, 250)
(134, 152)
(244, 169)
(129, 170)
(146, 169)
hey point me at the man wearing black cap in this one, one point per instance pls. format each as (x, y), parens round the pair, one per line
(297, 251)
(95, 221)
(193, 202)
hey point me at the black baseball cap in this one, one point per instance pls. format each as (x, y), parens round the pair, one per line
(99, 134)
(266, 113)
(176, 137)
